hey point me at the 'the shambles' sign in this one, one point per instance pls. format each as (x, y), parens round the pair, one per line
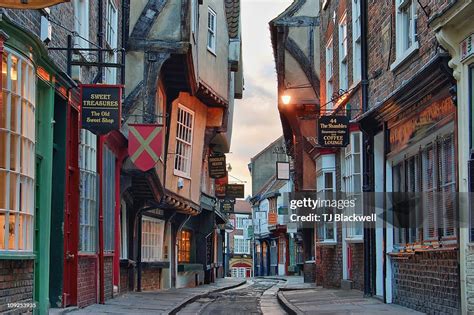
(101, 106)
(333, 131)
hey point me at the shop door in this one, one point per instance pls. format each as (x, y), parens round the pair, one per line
(71, 215)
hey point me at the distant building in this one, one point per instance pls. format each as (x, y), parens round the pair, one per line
(240, 264)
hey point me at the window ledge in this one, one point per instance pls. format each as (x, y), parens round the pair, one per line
(355, 240)
(181, 174)
(213, 52)
(404, 57)
(10, 255)
(327, 243)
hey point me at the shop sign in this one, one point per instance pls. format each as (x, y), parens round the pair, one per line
(217, 166)
(283, 170)
(417, 126)
(30, 4)
(283, 210)
(145, 145)
(227, 206)
(220, 186)
(233, 191)
(101, 107)
(467, 47)
(333, 131)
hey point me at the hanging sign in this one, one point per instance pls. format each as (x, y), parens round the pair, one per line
(467, 47)
(227, 206)
(145, 145)
(217, 166)
(283, 170)
(101, 107)
(30, 4)
(233, 191)
(248, 232)
(220, 186)
(333, 131)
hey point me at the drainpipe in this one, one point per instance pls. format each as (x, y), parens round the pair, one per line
(366, 157)
(100, 141)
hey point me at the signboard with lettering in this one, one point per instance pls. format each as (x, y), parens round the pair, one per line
(220, 186)
(333, 131)
(101, 107)
(272, 218)
(283, 170)
(467, 47)
(235, 191)
(227, 205)
(217, 166)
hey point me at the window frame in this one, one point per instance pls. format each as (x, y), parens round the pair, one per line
(349, 176)
(111, 30)
(241, 245)
(182, 246)
(405, 11)
(326, 165)
(211, 31)
(329, 78)
(81, 22)
(19, 203)
(343, 53)
(187, 144)
(152, 245)
(356, 42)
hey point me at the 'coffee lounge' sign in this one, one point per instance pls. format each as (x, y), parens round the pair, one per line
(333, 131)
(101, 107)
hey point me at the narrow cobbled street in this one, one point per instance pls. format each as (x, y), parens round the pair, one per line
(245, 299)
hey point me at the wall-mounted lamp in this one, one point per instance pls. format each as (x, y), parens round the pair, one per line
(286, 99)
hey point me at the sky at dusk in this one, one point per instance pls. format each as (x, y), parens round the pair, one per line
(256, 119)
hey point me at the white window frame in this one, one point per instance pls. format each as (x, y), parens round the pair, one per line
(81, 22)
(211, 30)
(184, 141)
(405, 31)
(17, 170)
(88, 192)
(152, 239)
(353, 158)
(241, 245)
(343, 54)
(111, 40)
(123, 231)
(356, 43)
(239, 221)
(329, 75)
(194, 19)
(326, 168)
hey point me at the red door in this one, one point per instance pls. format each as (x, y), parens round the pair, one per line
(71, 211)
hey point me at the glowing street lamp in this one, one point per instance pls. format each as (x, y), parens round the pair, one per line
(286, 99)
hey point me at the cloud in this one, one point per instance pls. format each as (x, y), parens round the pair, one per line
(256, 119)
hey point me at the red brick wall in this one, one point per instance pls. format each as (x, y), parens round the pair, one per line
(357, 251)
(428, 282)
(109, 277)
(124, 283)
(16, 282)
(151, 278)
(87, 281)
(329, 266)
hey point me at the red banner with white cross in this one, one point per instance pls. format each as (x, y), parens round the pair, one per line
(145, 144)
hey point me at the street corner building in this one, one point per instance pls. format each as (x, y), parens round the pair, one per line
(88, 213)
(398, 77)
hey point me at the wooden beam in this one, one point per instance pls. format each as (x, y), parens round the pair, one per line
(153, 67)
(147, 18)
(140, 44)
(131, 100)
(304, 62)
(298, 21)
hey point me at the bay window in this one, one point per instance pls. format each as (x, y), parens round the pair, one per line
(17, 153)
(152, 239)
(211, 30)
(326, 186)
